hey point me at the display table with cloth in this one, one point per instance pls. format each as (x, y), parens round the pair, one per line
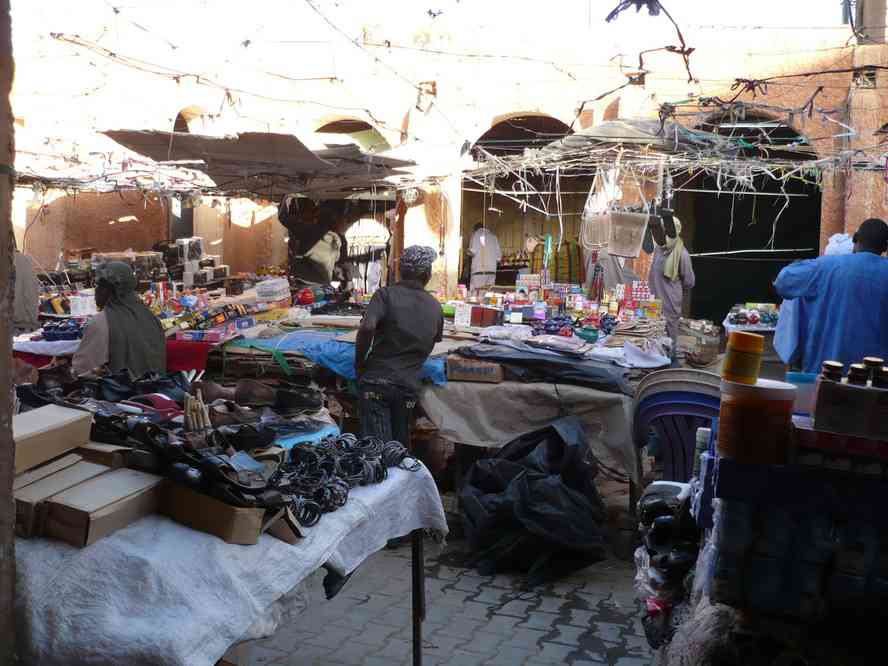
(323, 347)
(490, 415)
(181, 354)
(157, 592)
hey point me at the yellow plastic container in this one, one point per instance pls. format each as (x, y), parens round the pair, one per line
(743, 360)
(754, 421)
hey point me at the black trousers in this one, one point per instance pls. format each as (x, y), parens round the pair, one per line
(386, 411)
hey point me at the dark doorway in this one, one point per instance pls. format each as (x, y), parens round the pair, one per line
(727, 223)
(505, 217)
(181, 124)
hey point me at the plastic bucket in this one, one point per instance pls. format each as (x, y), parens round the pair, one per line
(755, 420)
(806, 384)
(626, 233)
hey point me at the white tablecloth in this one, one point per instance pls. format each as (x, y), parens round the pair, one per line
(46, 348)
(159, 593)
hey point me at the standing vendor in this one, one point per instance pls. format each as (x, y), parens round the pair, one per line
(671, 273)
(843, 301)
(396, 336)
(317, 249)
(484, 248)
(125, 334)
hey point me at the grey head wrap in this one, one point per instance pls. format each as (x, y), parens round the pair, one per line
(135, 337)
(417, 258)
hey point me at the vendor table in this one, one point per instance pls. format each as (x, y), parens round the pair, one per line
(490, 415)
(181, 354)
(157, 592)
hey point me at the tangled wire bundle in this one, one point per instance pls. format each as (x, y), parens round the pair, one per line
(318, 478)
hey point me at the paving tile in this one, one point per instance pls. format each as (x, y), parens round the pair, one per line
(567, 635)
(375, 635)
(438, 644)
(463, 658)
(535, 620)
(515, 609)
(527, 638)
(550, 605)
(472, 620)
(260, 656)
(632, 661)
(502, 624)
(607, 631)
(394, 649)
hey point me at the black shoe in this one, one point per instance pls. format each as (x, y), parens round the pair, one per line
(334, 582)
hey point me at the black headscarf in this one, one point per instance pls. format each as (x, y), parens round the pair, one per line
(135, 336)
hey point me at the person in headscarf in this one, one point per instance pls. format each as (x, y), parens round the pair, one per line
(26, 301)
(398, 332)
(125, 334)
(671, 273)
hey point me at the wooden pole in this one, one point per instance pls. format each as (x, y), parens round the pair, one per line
(7, 289)
(398, 237)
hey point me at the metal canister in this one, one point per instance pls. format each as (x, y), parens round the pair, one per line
(873, 365)
(832, 370)
(858, 374)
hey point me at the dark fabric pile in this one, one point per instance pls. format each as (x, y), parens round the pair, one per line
(523, 363)
(534, 507)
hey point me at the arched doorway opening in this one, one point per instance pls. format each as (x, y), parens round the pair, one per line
(180, 124)
(728, 227)
(358, 131)
(186, 120)
(499, 212)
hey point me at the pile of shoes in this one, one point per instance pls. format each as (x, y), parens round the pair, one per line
(69, 329)
(665, 560)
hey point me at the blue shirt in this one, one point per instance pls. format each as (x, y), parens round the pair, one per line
(844, 307)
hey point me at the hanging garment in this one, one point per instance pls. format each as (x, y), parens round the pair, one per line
(486, 254)
(565, 266)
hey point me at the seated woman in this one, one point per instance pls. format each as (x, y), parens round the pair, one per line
(125, 334)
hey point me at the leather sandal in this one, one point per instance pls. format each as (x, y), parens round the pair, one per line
(211, 391)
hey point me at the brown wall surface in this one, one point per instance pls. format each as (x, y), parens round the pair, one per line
(81, 221)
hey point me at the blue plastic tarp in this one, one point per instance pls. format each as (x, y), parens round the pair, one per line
(322, 348)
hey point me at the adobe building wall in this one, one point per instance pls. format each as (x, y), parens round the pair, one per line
(82, 221)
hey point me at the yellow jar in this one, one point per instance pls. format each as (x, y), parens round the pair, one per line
(743, 360)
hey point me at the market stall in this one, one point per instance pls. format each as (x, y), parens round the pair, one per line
(196, 595)
(772, 552)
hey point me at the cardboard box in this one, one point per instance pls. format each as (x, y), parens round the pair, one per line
(847, 409)
(462, 315)
(461, 369)
(45, 433)
(43, 471)
(484, 316)
(110, 455)
(28, 500)
(96, 508)
(206, 514)
(806, 437)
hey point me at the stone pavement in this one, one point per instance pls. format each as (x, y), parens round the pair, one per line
(591, 617)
